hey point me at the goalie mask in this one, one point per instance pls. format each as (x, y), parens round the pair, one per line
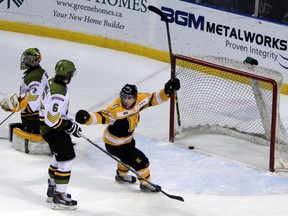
(31, 57)
(64, 70)
(128, 95)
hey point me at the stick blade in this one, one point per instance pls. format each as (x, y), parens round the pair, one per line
(173, 196)
(157, 11)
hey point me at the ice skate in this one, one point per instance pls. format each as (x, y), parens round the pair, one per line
(50, 191)
(127, 178)
(150, 188)
(63, 201)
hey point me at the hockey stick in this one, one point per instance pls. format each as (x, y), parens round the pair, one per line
(164, 17)
(132, 170)
(7, 118)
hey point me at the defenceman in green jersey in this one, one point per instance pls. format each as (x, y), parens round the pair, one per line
(32, 84)
(122, 117)
(56, 128)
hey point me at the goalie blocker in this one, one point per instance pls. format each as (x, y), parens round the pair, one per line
(27, 142)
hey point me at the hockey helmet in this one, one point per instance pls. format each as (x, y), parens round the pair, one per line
(65, 69)
(129, 90)
(31, 57)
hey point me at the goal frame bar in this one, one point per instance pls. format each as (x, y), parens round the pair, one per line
(233, 71)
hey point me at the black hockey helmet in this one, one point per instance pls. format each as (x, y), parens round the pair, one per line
(129, 90)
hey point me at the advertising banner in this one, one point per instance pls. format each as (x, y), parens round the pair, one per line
(200, 30)
(115, 19)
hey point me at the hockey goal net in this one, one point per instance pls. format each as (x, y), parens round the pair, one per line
(224, 96)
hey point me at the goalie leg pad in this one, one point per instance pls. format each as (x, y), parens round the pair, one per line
(29, 143)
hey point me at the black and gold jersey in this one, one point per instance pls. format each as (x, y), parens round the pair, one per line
(121, 121)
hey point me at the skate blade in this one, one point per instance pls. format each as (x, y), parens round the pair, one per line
(147, 191)
(123, 181)
(63, 207)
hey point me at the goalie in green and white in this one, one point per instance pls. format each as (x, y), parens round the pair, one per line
(33, 81)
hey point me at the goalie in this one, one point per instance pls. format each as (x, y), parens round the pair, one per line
(32, 84)
(25, 136)
(122, 117)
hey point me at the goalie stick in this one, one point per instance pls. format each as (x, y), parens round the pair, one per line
(7, 118)
(164, 17)
(132, 170)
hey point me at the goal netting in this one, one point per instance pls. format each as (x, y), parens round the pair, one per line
(224, 96)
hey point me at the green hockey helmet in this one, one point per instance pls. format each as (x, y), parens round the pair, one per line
(31, 57)
(65, 70)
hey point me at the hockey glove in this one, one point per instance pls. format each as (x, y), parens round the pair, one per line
(13, 102)
(82, 116)
(171, 85)
(73, 129)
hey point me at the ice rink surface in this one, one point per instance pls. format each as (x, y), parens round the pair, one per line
(211, 185)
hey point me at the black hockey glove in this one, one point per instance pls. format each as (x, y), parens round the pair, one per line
(73, 129)
(171, 85)
(82, 116)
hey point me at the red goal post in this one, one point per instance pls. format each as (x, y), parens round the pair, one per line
(224, 96)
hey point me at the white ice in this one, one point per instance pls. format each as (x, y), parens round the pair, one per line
(211, 185)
